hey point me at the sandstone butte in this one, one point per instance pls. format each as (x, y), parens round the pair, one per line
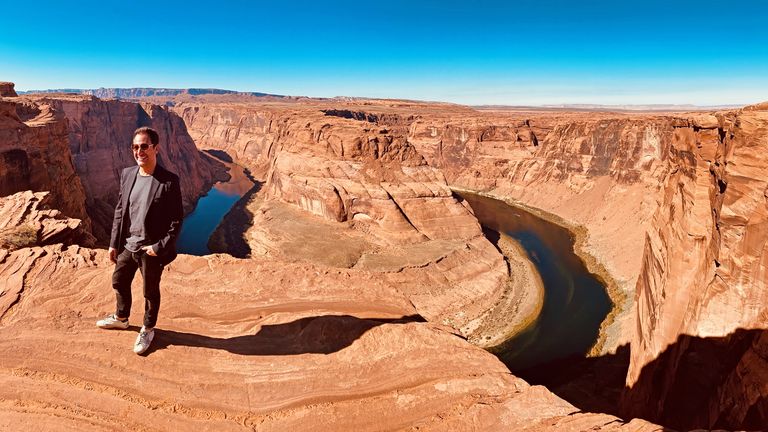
(366, 275)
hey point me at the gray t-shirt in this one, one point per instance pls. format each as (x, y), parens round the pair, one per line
(138, 205)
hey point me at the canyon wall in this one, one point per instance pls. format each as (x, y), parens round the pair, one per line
(352, 192)
(598, 173)
(671, 208)
(674, 208)
(92, 139)
(244, 132)
(699, 357)
(99, 141)
(34, 154)
(341, 349)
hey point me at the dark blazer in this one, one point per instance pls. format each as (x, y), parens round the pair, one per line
(164, 217)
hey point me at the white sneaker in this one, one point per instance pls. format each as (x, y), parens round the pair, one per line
(111, 322)
(143, 340)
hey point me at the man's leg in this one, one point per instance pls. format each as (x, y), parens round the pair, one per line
(151, 270)
(125, 269)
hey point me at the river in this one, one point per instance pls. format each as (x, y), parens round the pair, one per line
(575, 300)
(210, 210)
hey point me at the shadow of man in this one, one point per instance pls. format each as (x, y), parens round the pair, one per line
(322, 334)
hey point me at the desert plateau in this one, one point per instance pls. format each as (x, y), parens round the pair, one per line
(354, 288)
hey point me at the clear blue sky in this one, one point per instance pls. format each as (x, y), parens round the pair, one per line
(475, 52)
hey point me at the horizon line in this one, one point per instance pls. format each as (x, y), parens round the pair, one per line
(561, 105)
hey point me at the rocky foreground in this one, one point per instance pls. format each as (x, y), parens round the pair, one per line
(289, 339)
(366, 277)
(669, 208)
(256, 344)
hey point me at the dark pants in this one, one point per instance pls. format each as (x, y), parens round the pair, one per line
(125, 269)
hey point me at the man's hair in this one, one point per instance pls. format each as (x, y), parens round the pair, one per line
(154, 138)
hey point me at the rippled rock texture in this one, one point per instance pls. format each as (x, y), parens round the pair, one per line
(257, 344)
(675, 209)
(27, 219)
(671, 209)
(350, 191)
(364, 268)
(34, 155)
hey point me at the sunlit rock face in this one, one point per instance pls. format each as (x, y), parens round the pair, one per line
(28, 219)
(99, 137)
(365, 199)
(675, 209)
(76, 146)
(347, 347)
(358, 220)
(600, 171)
(699, 352)
(34, 155)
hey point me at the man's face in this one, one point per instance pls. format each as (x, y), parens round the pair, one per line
(145, 158)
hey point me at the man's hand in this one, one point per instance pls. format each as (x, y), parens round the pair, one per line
(149, 251)
(113, 255)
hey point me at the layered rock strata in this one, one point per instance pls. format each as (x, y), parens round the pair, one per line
(352, 192)
(34, 155)
(596, 170)
(702, 298)
(645, 187)
(99, 134)
(673, 207)
(235, 350)
(27, 219)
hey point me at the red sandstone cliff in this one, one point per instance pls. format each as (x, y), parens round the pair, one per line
(342, 349)
(93, 137)
(702, 298)
(674, 208)
(369, 201)
(99, 139)
(34, 154)
(598, 170)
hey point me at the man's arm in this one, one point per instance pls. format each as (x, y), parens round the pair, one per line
(176, 210)
(116, 221)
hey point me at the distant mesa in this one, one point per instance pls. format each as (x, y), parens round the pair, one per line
(141, 92)
(609, 108)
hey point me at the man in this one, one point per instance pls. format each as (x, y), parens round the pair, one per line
(147, 221)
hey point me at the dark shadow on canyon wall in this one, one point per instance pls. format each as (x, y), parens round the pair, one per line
(493, 237)
(323, 334)
(220, 154)
(696, 383)
(173, 133)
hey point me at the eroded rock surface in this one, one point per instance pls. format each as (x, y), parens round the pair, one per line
(702, 297)
(27, 219)
(34, 155)
(7, 89)
(674, 208)
(249, 345)
(350, 191)
(98, 135)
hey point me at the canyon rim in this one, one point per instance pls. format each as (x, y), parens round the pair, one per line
(369, 288)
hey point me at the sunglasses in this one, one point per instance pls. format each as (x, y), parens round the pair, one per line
(143, 147)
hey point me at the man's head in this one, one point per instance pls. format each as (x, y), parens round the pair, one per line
(144, 148)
